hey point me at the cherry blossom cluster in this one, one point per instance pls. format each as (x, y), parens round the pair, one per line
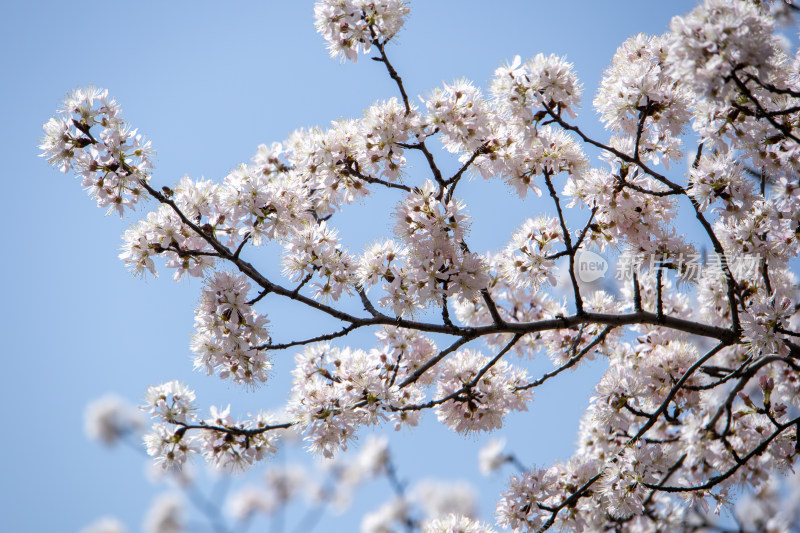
(337, 390)
(225, 443)
(619, 203)
(315, 250)
(111, 163)
(627, 474)
(637, 97)
(264, 201)
(728, 53)
(542, 82)
(353, 26)
(385, 127)
(230, 333)
(720, 177)
(479, 393)
(461, 115)
(437, 264)
(717, 38)
(526, 261)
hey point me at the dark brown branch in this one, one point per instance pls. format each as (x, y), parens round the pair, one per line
(724, 379)
(321, 338)
(770, 87)
(392, 73)
(760, 111)
(368, 304)
(637, 293)
(495, 314)
(758, 450)
(459, 394)
(659, 292)
(575, 496)
(568, 502)
(189, 253)
(437, 174)
(624, 157)
(352, 171)
(233, 430)
(569, 364)
(568, 243)
(625, 183)
(453, 180)
(729, 280)
(643, 113)
(241, 245)
(673, 391)
(441, 355)
(581, 237)
(446, 312)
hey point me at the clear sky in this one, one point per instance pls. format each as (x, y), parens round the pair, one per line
(207, 82)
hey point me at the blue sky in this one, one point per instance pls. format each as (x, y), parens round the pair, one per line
(207, 82)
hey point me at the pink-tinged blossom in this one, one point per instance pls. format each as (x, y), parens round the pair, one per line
(352, 26)
(408, 350)
(481, 394)
(163, 233)
(460, 113)
(314, 251)
(439, 498)
(264, 201)
(171, 401)
(454, 523)
(166, 515)
(519, 159)
(170, 447)
(383, 519)
(638, 97)
(230, 333)
(385, 126)
(111, 418)
(337, 390)
(721, 177)
(237, 449)
(90, 138)
(526, 260)
(440, 265)
(716, 38)
(381, 262)
(108, 524)
(491, 457)
(622, 484)
(624, 214)
(636, 83)
(520, 88)
(618, 388)
(328, 162)
(517, 507)
(760, 323)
